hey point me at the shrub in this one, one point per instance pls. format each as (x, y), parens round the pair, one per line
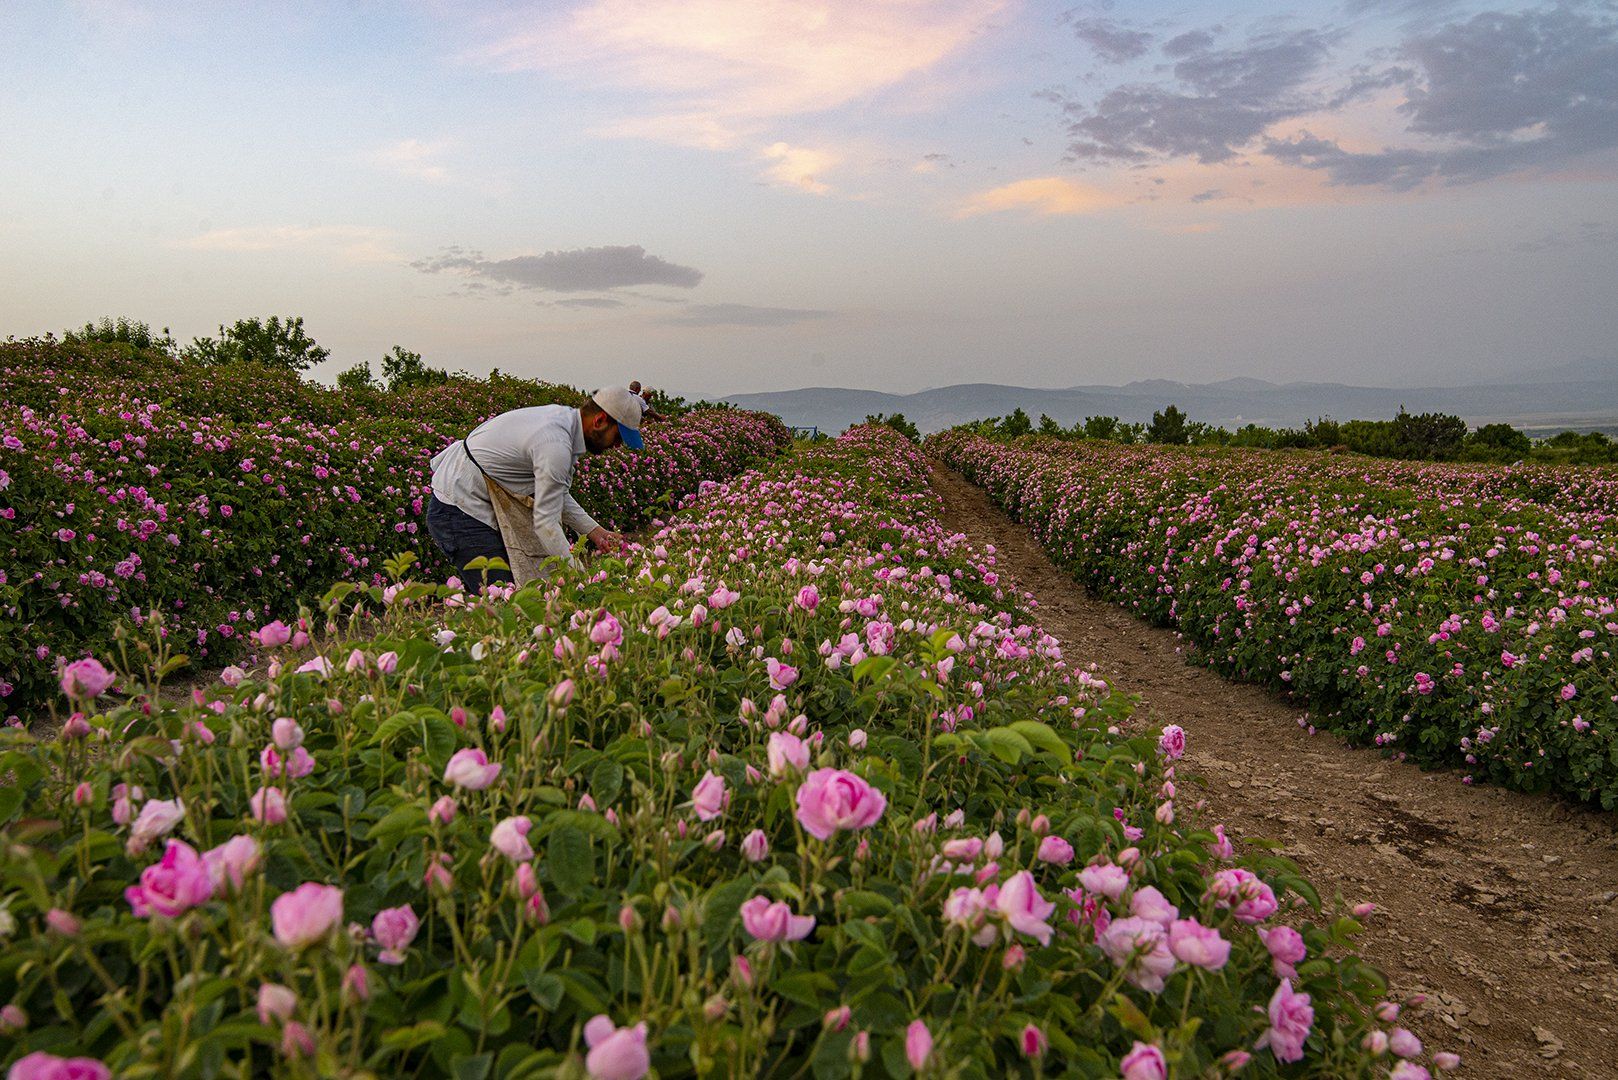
(794, 788)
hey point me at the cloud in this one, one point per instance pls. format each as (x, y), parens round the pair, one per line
(742, 315)
(582, 270)
(1499, 92)
(1112, 42)
(353, 243)
(1220, 101)
(710, 71)
(799, 167)
(1042, 195)
(1191, 41)
(589, 302)
(414, 158)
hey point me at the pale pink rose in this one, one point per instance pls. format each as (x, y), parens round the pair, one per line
(1025, 910)
(1148, 903)
(13, 1019)
(1286, 949)
(471, 769)
(394, 929)
(755, 846)
(157, 817)
(442, 811)
(1409, 1070)
(232, 676)
(173, 886)
(966, 907)
(1034, 1042)
(837, 1019)
(808, 598)
(709, 798)
(918, 1044)
(85, 679)
(786, 751)
(275, 1002)
(356, 983)
(306, 914)
(1291, 1017)
(1054, 849)
(62, 922)
(273, 635)
(1198, 945)
(43, 1066)
(297, 764)
(1144, 1062)
(1140, 946)
(387, 662)
(230, 863)
(1106, 879)
(510, 838)
(269, 805)
(1250, 900)
(615, 1053)
(297, 1040)
(1222, 847)
(1446, 1060)
(1171, 744)
(832, 799)
(768, 921)
(857, 739)
(1402, 1041)
(781, 675)
(286, 733)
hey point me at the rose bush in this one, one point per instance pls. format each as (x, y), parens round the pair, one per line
(577, 830)
(121, 497)
(1460, 615)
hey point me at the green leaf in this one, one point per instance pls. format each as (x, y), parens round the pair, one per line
(873, 668)
(571, 860)
(1041, 736)
(398, 822)
(606, 781)
(399, 724)
(415, 1035)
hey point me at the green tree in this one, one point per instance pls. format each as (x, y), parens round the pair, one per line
(1050, 427)
(1016, 424)
(357, 377)
(1169, 428)
(402, 369)
(123, 331)
(1100, 427)
(271, 342)
(1500, 440)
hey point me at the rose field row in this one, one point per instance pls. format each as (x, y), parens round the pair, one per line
(1459, 616)
(796, 788)
(115, 504)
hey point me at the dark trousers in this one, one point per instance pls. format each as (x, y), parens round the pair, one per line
(462, 538)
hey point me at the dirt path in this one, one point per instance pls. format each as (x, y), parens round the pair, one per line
(1500, 907)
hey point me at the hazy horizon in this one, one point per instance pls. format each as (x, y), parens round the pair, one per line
(736, 196)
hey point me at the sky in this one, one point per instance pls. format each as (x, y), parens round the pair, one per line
(729, 196)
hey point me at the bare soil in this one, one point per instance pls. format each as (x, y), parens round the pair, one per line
(1501, 907)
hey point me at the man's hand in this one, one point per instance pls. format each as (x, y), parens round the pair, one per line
(606, 540)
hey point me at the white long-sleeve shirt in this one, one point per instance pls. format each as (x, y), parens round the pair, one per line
(529, 452)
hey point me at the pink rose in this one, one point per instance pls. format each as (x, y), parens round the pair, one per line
(615, 1053)
(1034, 1042)
(1105, 879)
(1171, 744)
(786, 751)
(709, 798)
(269, 805)
(1025, 910)
(85, 679)
(42, 1066)
(394, 929)
(781, 675)
(510, 838)
(1053, 849)
(1148, 903)
(832, 799)
(1250, 900)
(1198, 945)
(442, 811)
(1403, 1041)
(1286, 949)
(1291, 1017)
(273, 635)
(1144, 1062)
(173, 886)
(755, 846)
(387, 662)
(918, 1044)
(157, 818)
(470, 769)
(231, 862)
(275, 1002)
(808, 598)
(1409, 1070)
(286, 734)
(1140, 946)
(306, 914)
(768, 921)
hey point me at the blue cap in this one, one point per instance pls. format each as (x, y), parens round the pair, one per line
(631, 437)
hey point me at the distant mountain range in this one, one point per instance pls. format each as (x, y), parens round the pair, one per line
(1582, 396)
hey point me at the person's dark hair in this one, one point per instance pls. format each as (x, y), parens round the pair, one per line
(590, 410)
(634, 387)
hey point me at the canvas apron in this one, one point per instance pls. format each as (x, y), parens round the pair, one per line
(515, 515)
